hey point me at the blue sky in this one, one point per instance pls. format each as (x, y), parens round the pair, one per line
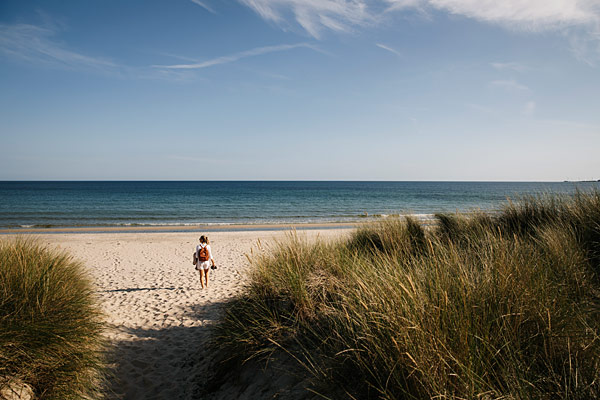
(300, 89)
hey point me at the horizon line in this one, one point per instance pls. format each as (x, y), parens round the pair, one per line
(300, 180)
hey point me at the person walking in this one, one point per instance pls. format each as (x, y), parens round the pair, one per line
(205, 259)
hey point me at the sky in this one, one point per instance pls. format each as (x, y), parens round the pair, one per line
(458, 90)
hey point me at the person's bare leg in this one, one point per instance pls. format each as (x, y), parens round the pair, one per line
(206, 277)
(200, 272)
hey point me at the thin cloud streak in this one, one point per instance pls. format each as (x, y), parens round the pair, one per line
(237, 56)
(388, 48)
(36, 45)
(204, 5)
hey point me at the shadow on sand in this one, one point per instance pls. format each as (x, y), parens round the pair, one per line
(141, 289)
(166, 363)
(178, 362)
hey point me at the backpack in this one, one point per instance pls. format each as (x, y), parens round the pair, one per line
(203, 254)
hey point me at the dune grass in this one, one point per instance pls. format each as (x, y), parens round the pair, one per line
(503, 306)
(49, 323)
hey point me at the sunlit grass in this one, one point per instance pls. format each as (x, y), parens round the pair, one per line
(486, 306)
(49, 323)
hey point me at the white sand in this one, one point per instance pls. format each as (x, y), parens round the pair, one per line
(157, 314)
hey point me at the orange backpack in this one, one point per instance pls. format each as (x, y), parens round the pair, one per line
(203, 254)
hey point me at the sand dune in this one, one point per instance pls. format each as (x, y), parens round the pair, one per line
(158, 317)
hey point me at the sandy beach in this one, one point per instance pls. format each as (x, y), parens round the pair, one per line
(158, 318)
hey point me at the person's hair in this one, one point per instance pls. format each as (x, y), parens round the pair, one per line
(204, 239)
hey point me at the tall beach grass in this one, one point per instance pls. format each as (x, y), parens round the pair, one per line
(503, 306)
(50, 326)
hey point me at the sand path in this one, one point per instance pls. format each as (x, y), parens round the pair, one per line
(158, 316)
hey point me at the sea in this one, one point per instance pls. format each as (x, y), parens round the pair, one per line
(30, 204)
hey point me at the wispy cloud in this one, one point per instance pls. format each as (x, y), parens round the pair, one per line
(314, 16)
(531, 14)
(237, 56)
(510, 84)
(318, 16)
(37, 45)
(204, 5)
(396, 5)
(585, 47)
(388, 48)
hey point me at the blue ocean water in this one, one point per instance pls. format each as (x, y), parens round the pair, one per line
(128, 203)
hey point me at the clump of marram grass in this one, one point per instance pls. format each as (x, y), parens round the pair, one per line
(489, 306)
(50, 325)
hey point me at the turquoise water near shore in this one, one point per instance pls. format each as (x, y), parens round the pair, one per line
(154, 203)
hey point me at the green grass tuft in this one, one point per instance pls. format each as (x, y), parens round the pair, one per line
(50, 325)
(483, 306)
